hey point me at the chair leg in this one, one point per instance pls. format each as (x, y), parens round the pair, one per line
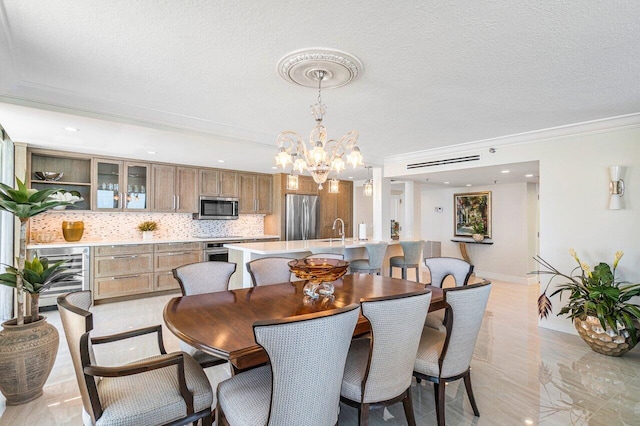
(363, 414)
(439, 392)
(418, 275)
(390, 271)
(408, 408)
(404, 273)
(472, 400)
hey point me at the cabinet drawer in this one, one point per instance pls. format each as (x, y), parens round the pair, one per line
(122, 285)
(123, 264)
(168, 261)
(123, 249)
(173, 247)
(165, 281)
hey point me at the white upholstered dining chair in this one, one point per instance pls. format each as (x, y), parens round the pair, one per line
(439, 269)
(301, 384)
(162, 389)
(269, 270)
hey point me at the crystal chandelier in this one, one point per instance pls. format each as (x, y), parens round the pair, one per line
(321, 156)
(367, 188)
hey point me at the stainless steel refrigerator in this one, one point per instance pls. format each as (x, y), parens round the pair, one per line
(301, 215)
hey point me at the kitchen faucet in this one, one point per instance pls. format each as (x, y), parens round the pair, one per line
(341, 227)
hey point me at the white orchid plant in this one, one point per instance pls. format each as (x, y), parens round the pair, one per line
(69, 197)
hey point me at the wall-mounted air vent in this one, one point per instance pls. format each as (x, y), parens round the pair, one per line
(443, 162)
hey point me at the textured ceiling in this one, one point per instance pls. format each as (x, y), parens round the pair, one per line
(201, 74)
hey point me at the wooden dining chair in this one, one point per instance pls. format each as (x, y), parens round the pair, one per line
(301, 383)
(269, 270)
(200, 278)
(379, 368)
(163, 389)
(446, 356)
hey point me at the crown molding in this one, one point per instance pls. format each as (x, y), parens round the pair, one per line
(583, 128)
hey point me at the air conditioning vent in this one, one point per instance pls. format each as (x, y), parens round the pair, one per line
(443, 162)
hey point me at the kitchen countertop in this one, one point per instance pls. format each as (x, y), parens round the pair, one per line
(284, 247)
(95, 243)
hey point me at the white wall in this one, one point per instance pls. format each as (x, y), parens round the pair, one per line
(507, 258)
(573, 193)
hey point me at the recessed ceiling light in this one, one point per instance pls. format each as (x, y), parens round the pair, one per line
(505, 171)
(446, 183)
(72, 129)
(151, 152)
(350, 177)
(468, 184)
(529, 175)
(220, 161)
(528, 421)
(274, 168)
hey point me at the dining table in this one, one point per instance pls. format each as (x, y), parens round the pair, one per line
(221, 323)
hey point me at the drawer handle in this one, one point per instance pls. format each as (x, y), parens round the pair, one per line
(133, 256)
(124, 277)
(178, 253)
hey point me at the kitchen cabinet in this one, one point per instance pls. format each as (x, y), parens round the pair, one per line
(122, 270)
(120, 185)
(75, 169)
(175, 189)
(168, 256)
(337, 205)
(255, 193)
(220, 183)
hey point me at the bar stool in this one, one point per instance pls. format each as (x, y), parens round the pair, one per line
(412, 251)
(372, 265)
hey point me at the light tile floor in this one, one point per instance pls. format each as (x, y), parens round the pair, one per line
(522, 374)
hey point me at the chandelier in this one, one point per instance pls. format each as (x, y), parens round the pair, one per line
(321, 156)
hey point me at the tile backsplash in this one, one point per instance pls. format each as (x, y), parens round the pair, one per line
(123, 226)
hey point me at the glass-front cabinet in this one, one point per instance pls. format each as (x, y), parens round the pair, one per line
(120, 185)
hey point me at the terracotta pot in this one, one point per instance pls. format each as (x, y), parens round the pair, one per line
(27, 354)
(604, 341)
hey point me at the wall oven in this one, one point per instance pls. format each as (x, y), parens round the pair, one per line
(220, 208)
(215, 252)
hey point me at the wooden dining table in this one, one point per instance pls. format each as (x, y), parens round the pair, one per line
(221, 323)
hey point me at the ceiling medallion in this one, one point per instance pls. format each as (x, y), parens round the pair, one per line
(300, 67)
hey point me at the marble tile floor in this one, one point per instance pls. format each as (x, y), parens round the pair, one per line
(522, 374)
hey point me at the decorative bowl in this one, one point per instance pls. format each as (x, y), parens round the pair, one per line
(43, 236)
(49, 176)
(320, 273)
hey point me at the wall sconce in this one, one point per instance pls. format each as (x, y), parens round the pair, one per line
(334, 186)
(292, 182)
(367, 188)
(616, 188)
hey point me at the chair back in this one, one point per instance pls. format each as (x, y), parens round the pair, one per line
(204, 277)
(412, 250)
(396, 327)
(338, 256)
(463, 321)
(269, 270)
(375, 252)
(307, 355)
(77, 322)
(441, 267)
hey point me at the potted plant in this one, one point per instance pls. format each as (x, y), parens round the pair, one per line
(27, 349)
(69, 197)
(599, 304)
(147, 229)
(477, 229)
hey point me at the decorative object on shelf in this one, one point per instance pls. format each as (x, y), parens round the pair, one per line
(598, 304)
(320, 273)
(27, 348)
(69, 197)
(147, 229)
(367, 188)
(469, 209)
(43, 236)
(49, 176)
(310, 69)
(72, 231)
(616, 188)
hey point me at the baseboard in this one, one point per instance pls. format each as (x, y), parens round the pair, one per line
(509, 278)
(564, 326)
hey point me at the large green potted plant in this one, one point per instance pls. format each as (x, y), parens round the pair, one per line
(599, 304)
(27, 348)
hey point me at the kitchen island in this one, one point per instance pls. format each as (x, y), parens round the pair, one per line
(352, 249)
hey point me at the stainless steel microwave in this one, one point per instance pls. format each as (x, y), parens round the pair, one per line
(220, 208)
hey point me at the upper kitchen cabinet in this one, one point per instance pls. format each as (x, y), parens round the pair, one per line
(255, 193)
(175, 189)
(222, 183)
(74, 168)
(337, 205)
(120, 185)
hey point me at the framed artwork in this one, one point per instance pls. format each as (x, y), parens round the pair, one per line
(472, 208)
